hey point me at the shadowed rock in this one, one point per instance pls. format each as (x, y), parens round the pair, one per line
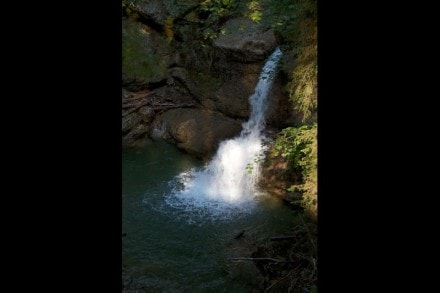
(196, 131)
(246, 40)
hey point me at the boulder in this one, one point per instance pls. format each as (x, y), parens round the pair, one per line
(246, 40)
(196, 131)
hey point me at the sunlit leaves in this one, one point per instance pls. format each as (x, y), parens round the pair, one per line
(254, 5)
(255, 12)
(256, 16)
(209, 34)
(299, 146)
(251, 166)
(218, 7)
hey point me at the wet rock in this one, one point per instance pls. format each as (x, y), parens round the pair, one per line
(279, 111)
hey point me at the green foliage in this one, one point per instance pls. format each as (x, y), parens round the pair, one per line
(296, 22)
(295, 144)
(216, 10)
(251, 166)
(298, 145)
(304, 84)
(255, 12)
(216, 7)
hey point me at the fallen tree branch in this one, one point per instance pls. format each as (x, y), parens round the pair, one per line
(126, 100)
(158, 108)
(135, 109)
(163, 109)
(278, 238)
(267, 259)
(128, 106)
(165, 105)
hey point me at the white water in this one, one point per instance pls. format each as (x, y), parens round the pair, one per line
(225, 183)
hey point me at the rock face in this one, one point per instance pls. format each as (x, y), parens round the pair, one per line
(279, 109)
(196, 131)
(217, 91)
(146, 56)
(232, 98)
(156, 9)
(135, 127)
(246, 40)
(130, 121)
(276, 177)
(140, 109)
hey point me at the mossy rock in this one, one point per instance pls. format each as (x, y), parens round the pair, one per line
(145, 54)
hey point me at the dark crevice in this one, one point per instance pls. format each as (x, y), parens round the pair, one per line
(134, 85)
(183, 84)
(131, 10)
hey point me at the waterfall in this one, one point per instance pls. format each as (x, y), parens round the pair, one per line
(230, 178)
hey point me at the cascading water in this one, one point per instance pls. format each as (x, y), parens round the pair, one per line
(229, 179)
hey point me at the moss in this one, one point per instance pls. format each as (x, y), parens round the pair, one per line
(138, 58)
(304, 83)
(295, 24)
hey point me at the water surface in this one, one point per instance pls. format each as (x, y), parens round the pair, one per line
(177, 246)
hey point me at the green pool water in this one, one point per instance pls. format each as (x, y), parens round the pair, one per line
(173, 246)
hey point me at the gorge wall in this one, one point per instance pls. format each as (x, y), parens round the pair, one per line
(189, 70)
(185, 96)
